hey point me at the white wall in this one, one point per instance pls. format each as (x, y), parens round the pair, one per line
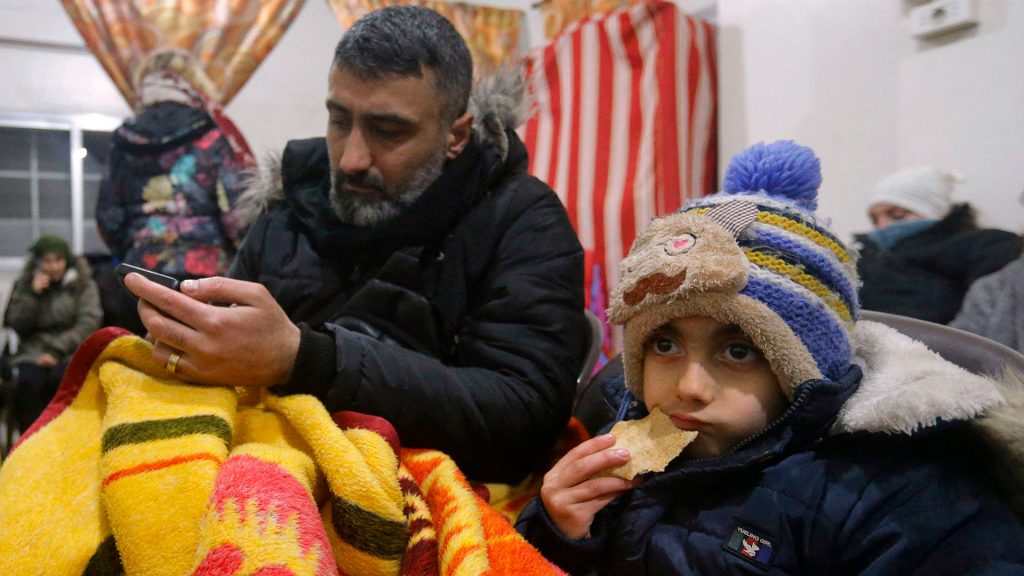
(54, 80)
(846, 78)
(284, 99)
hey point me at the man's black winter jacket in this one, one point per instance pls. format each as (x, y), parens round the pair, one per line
(468, 343)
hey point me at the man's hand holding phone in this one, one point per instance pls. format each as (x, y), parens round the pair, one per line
(123, 270)
(252, 343)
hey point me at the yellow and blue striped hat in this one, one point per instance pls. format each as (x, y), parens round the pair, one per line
(754, 255)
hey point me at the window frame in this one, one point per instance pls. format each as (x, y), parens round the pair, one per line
(75, 125)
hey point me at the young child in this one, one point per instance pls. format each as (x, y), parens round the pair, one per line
(740, 316)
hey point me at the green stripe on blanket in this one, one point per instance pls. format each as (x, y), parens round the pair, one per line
(368, 532)
(145, 431)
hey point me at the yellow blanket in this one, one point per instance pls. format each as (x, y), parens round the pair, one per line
(128, 471)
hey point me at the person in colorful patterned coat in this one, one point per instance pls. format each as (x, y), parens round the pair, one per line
(54, 306)
(168, 198)
(741, 324)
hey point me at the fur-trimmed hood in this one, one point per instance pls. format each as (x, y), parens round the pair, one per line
(907, 387)
(498, 104)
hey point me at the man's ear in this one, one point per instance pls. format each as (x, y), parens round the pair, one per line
(458, 135)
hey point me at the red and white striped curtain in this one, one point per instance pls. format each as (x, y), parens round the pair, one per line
(625, 128)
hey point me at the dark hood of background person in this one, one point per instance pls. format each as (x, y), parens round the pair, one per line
(162, 126)
(926, 273)
(75, 279)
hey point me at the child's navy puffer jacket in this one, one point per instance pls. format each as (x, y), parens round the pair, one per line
(885, 473)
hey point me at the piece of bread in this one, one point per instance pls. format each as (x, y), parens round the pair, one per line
(652, 443)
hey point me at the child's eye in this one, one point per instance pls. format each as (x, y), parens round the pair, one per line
(741, 352)
(664, 346)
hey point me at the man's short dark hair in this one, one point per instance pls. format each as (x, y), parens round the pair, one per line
(401, 40)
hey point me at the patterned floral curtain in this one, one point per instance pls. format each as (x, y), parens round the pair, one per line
(230, 38)
(558, 14)
(491, 33)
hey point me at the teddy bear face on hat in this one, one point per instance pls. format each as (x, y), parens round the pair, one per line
(755, 256)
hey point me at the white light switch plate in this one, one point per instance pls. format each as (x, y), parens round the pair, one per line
(941, 16)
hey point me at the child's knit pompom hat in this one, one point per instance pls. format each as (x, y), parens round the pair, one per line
(753, 255)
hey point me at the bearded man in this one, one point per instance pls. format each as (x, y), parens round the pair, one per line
(406, 266)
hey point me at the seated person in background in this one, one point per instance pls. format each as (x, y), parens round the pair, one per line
(925, 252)
(994, 306)
(54, 305)
(740, 324)
(408, 267)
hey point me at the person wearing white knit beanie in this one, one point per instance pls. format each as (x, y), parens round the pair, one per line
(922, 192)
(925, 249)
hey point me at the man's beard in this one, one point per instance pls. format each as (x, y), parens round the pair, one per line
(368, 210)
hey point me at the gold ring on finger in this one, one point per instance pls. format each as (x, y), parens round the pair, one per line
(172, 362)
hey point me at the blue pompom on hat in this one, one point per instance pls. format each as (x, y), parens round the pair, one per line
(782, 169)
(754, 255)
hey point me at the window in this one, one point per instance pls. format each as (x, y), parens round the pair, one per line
(50, 172)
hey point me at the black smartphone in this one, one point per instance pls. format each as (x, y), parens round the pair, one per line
(123, 270)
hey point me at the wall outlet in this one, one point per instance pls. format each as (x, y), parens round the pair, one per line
(942, 16)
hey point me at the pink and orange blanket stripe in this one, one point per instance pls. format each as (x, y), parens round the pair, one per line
(131, 472)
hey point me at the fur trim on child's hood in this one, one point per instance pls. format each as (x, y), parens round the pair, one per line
(907, 387)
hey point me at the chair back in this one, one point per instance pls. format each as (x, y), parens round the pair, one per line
(974, 353)
(8, 383)
(594, 343)
(590, 407)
